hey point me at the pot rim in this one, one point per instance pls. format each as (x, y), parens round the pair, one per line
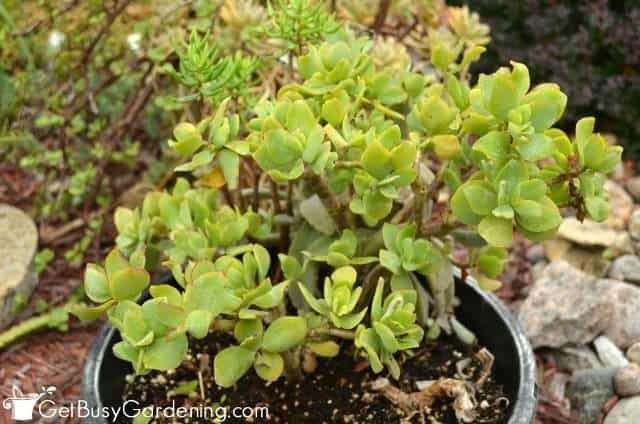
(522, 411)
(526, 401)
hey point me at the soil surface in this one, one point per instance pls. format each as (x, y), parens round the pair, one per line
(337, 392)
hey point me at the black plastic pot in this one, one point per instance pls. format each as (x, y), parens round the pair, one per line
(104, 375)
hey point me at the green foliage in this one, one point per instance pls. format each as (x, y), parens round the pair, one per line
(209, 76)
(340, 299)
(404, 254)
(297, 23)
(332, 175)
(393, 329)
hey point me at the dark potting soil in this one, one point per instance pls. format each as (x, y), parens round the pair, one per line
(337, 392)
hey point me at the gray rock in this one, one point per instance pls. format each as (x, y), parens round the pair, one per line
(590, 259)
(576, 358)
(633, 187)
(537, 270)
(588, 391)
(591, 233)
(633, 353)
(535, 253)
(18, 245)
(634, 224)
(626, 268)
(627, 380)
(564, 307)
(626, 411)
(567, 306)
(624, 328)
(609, 353)
(621, 205)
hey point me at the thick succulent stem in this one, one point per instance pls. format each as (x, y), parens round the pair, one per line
(58, 319)
(329, 200)
(335, 332)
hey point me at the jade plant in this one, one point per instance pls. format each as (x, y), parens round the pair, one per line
(326, 221)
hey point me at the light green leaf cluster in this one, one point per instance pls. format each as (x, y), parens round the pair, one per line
(527, 168)
(221, 146)
(404, 254)
(186, 223)
(234, 289)
(393, 329)
(585, 161)
(210, 76)
(340, 299)
(286, 136)
(297, 23)
(342, 252)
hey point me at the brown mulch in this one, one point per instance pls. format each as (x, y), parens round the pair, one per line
(50, 358)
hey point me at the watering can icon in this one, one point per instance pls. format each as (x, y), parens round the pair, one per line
(22, 404)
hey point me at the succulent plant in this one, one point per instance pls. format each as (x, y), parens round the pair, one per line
(332, 177)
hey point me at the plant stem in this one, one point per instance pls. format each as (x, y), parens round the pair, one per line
(57, 318)
(348, 164)
(335, 332)
(381, 16)
(320, 187)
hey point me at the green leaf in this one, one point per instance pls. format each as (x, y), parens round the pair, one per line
(446, 146)
(114, 262)
(91, 313)
(315, 213)
(300, 117)
(207, 293)
(504, 211)
(504, 95)
(597, 207)
(387, 337)
(349, 321)
(96, 285)
(547, 105)
(390, 260)
(403, 155)
(496, 231)
(166, 353)
(198, 322)
(126, 352)
(547, 219)
(494, 145)
(263, 260)
(284, 333)
(488, 284)
(246, 328)
(269, 366)
(128, 283)
(230, 164)
(376, 160)
(537, 147)
(532, 189)
(318, 305)
(291, 268)
(345, 274)
(480, 199)
(231, 364)
(188, 139)
(172, 294)
(273, 298)
(377, 206)
(326, 349)
(333, 111)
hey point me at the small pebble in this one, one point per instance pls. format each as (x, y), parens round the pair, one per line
(627, 380)
(633, 353)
